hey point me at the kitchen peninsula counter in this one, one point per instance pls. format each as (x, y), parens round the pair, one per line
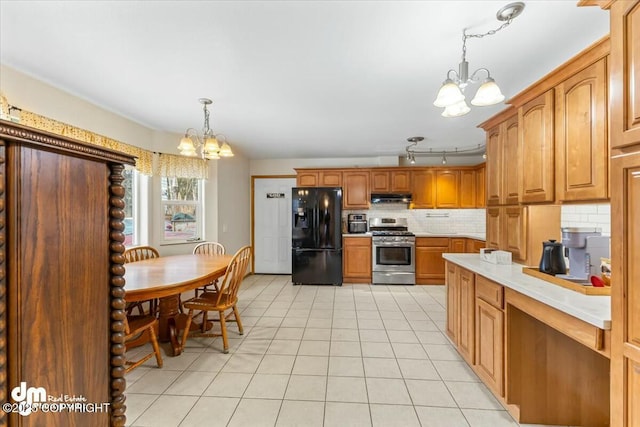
(542, 350)
(595, 310)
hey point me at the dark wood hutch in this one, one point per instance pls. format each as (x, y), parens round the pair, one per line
(61, 274)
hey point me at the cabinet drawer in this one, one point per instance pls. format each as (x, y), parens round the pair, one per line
(433, 241)
(490, 292)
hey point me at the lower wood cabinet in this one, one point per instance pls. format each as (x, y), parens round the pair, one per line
(461, 310)
(458, 246)
(489, 334)
(430, 269)
(356, 260)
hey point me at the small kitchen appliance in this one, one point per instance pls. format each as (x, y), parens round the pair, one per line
(584, 248)
(357, 223)
(552, 260)
(393, 252)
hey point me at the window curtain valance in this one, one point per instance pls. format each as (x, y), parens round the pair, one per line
(170, 165)
(144, 158)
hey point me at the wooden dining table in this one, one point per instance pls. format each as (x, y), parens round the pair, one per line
(165, 278)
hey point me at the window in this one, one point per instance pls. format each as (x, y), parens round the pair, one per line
(181, 209)
(130, 184)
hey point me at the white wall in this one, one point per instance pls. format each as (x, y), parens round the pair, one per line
(286, 166)
(39, 97)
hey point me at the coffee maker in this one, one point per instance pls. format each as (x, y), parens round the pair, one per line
(584, 247)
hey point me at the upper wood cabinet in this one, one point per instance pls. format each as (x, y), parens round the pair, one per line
(481, 186)
(536, 160)
(582, 151)
(329, 178)
(625, 72)
(502, 168)
(423, 189)
(494, 165)
(447, 189)
(390, 181)
(307, 179)
(467, 188)
(355, 189)
(511, 175)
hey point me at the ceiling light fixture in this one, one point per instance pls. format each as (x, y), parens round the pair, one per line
(451, 96)
(208, 144)
(412, 150)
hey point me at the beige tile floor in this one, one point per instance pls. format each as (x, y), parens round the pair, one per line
(355, 355)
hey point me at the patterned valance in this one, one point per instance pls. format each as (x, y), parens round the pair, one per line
(182, 167)
(144, 158)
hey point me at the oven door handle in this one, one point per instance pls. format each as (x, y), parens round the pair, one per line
(393, 245)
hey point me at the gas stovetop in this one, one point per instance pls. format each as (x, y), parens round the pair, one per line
(391, 233)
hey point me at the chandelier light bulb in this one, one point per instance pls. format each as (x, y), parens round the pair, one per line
(449, 94)
(456, 110)
(488, 94)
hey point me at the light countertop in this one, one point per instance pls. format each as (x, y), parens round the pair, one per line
(595, 310)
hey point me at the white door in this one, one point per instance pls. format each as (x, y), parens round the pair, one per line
(272, 220)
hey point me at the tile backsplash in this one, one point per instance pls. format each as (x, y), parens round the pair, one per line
(434, 220)
(474, 220)
(592, 215)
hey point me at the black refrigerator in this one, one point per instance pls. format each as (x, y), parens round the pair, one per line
(316, 245)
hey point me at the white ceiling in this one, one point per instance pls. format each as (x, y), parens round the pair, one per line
(291, 79)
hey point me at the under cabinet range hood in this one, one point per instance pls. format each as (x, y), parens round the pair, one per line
(402, 198)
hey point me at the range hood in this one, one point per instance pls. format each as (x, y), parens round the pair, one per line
(404, 198)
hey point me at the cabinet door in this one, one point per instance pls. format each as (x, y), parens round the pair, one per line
(490, 346)
(494, 232)
(625, 285)
(510, 169)
(357, 258)
(625, 72)
(423, 189)
(447, 183)
(494, 166)
(430, 266)
(401, 181)
(457, 245)
(328, 178)
(582, 151)
(537, 149)
(307, 179)
(466, 341)
(453, 302)
(379, 181)
(356, 193)
(467, 188)
(481, 187)
(515, 231)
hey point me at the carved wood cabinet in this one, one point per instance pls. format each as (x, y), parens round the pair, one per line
(61, 274)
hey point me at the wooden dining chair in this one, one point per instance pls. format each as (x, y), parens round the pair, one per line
(221, 301)
(135, 326)
(209, 248)
(140, 253)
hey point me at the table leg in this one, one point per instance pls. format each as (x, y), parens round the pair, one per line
(168, 311)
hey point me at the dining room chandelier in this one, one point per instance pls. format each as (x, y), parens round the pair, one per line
(451, 94)
(208, 144)
(412, 151)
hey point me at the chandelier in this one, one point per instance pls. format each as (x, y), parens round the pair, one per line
(208, 144)
(451, 96)
(413, 150)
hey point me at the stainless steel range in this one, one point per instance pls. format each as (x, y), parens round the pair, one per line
(394, 251)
